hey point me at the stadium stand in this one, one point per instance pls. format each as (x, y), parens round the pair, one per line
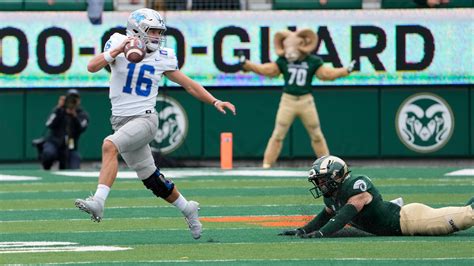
(216, 5)
(194, 4)
(258, 5)
(422, 3)
(312, 4)
(182, 5)
(179, 5)
(129, 5)
(244, 4)
(43, 5)
(12, 5)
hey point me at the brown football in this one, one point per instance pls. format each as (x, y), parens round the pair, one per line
(134, 50)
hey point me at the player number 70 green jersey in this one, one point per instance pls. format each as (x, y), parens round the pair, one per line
(298, 75)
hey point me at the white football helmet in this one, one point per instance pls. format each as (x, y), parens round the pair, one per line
(141, 21)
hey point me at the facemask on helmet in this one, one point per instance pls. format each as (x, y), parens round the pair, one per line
(139, 24)
(327, 175)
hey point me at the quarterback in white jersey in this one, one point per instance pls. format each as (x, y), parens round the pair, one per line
(143, 77)
(133, 91)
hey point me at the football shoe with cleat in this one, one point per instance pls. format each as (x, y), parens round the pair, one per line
(191, 213)
(93, 207)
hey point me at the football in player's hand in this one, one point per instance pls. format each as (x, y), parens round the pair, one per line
(134, 50)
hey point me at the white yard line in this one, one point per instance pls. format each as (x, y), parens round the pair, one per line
(463, 172)
(47, 246)
(61, 249)
(34, 244)
(195, 172)
(170, 206)
(18, 178)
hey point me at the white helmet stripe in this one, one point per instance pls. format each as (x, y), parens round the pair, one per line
(323, 169)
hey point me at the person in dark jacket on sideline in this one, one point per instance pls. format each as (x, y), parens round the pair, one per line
(66, 123)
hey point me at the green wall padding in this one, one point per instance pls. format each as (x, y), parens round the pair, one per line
(12, 126)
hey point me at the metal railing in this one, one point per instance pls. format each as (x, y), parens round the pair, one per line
(181, 5)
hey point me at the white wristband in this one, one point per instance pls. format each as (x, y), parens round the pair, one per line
(216, 102)
(108, 57)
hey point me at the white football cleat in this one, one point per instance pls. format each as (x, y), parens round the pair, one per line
(93, 207)
(192, 218)
(398, 201)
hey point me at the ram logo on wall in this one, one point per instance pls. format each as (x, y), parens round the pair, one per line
(172, 125)
(424, 122)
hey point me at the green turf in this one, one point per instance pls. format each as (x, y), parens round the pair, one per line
(43, 210)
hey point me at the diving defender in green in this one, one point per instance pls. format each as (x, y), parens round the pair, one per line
(354, 200)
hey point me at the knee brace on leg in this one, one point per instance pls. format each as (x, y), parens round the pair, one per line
(159, 185)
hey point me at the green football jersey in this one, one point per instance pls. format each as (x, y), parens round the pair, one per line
(298, 75)
(378, 217)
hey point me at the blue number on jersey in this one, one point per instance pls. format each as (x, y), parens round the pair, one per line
(140, 80)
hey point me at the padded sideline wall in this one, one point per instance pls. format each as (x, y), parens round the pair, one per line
(357, 122)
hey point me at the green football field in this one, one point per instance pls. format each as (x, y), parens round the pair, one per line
(242, 211)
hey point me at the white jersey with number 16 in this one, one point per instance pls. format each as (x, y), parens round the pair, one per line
(134, 86)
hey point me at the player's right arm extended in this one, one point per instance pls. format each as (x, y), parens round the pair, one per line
(101, 60)
(353, 206)
(198, 91)
(315, 224)
(319, 221)
(267, 69)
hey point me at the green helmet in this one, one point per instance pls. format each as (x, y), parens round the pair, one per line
(327, 174)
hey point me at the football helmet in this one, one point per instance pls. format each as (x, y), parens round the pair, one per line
(327, 174)
(141, 21)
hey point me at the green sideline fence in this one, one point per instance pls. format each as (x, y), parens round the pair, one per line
(357, 122)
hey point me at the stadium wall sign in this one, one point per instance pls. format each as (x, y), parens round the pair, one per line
(424, 122)
(172, 125)
(393, 47)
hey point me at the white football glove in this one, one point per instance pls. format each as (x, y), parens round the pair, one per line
(241, 57)
(351, 65)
